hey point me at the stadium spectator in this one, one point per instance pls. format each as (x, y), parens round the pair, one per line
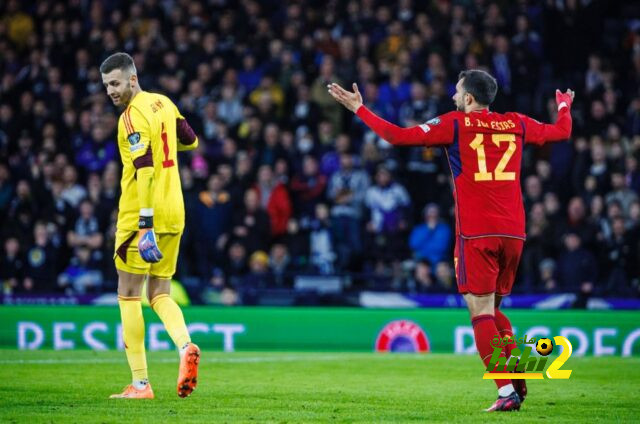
(41, 263)
(308, 187)
(280, 265)
(423, 280)
(82, 275)
(347, 189)
(213, 214)
(621, 193)
(73, 192)
(274, 198)
(86, 232)
(322, 254)
(11, 265)
(431, 240)
(252, 226)
(577, 269)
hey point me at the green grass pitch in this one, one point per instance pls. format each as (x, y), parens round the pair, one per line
(73, 386)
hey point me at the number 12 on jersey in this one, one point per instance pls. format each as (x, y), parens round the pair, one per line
(498, 174)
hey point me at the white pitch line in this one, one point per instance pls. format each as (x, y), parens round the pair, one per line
(241, 360)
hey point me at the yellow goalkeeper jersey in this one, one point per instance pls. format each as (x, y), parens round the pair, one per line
(147, 137)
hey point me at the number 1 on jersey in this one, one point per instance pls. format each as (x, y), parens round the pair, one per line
(166, 163)
(499, 174)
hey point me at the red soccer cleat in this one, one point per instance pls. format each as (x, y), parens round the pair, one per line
(188, 374)
(506, 403)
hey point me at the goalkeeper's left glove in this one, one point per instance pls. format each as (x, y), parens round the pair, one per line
(147, 243)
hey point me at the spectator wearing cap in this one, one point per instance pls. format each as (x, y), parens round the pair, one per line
(431, 240)
(257, 278)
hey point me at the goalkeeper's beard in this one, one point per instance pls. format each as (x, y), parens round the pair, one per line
(125, 97)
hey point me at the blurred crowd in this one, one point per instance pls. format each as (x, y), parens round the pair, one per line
(285, 181)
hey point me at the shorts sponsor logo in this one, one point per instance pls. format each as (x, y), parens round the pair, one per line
(402, 336)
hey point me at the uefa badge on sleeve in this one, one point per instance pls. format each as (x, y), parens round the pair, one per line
(134, 138)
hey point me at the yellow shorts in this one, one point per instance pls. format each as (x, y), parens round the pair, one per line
(129, 260)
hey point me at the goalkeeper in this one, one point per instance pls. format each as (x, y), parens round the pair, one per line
(150, 219)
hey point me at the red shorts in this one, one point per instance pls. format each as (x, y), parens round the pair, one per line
(487, 265)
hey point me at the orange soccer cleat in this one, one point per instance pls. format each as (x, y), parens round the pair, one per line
(131, 392)
(188, 374)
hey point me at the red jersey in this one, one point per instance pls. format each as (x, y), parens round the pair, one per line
(484, 150)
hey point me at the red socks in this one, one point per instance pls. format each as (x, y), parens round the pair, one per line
(484, 330)
(504, 327)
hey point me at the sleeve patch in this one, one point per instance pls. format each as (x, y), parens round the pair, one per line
(136, 147)
(134, 138)
(426, 128)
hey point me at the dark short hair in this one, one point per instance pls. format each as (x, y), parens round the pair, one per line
(121, 61)
(482, 86)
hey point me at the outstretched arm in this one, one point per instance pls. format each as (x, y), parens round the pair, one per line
(539, 133)
(398, 136)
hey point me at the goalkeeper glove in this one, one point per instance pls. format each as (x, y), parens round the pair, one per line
(147, 242)
(563, 99)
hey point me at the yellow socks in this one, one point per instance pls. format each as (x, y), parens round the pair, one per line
(133, 335)
(171, 316)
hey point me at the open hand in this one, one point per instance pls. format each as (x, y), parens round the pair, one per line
(351, 101)
(566, 98)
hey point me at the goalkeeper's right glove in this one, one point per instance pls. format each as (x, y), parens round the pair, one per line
(147, 242)
(563, 99)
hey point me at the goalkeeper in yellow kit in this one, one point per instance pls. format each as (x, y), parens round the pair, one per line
(150, 219)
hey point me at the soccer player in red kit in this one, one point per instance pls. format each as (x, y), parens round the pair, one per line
(484, 150)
